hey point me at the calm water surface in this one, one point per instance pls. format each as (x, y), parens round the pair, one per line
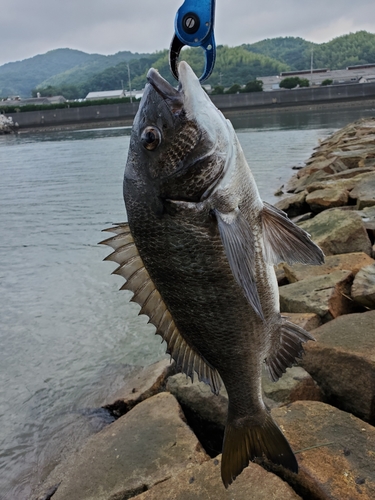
(68, 338)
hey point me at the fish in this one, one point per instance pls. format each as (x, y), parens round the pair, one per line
(198, 252)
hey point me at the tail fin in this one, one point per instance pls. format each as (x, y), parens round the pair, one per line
(244, 442)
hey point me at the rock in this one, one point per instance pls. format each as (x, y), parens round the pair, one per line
(293, 204)
(145, 383)
(337, 232)
(198, 397)
(363, 289)
(328, 296)
(204, 482)
(342, 361)
(294, 385)
(6, 124)
(142, 448)
(322, 199)
(335, 451)
(342, 262)
(364, 192)
(308, 321)
(331, 182)
(280, 275)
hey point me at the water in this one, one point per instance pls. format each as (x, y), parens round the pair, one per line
(68, 338)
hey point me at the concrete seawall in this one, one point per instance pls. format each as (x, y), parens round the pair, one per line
(122, 114)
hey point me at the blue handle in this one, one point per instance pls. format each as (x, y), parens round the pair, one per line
(194, 22)
(194, 26)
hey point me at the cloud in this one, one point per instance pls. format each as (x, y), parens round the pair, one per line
(108, 26)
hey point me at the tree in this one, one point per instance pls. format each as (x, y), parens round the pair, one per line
(327, 81)
(253, 86)
(218, 89)
(292, 82)
(234, 89)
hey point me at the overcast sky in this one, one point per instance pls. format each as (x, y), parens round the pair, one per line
(30, 27)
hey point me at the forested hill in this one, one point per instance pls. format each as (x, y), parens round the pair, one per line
(19, 78)
(73, 73)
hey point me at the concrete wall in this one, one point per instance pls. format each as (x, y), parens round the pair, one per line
(127, 111)
(71, 116)
(296, 97)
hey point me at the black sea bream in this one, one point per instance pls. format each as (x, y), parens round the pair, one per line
(198, 252)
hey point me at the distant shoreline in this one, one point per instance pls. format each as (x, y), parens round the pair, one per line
(228, 112)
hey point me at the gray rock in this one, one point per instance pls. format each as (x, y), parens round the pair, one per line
(308, 321)
(204, 483)
(342, 262)
(146, 382)
(363, 289)
(293, 204)
(342, 361)
(142, 448)
(295, 384)
(364, 192)
(328, 296)
(334, 449)
(198, 397)
(337, 231)
(321, 199)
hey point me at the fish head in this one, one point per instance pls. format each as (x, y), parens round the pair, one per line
(179, 139)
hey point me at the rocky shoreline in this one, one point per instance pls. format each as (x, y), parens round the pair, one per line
(166, 440)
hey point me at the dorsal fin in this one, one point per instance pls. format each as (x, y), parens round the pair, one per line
(138, 281)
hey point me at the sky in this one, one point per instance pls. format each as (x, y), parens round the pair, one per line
(31, 27)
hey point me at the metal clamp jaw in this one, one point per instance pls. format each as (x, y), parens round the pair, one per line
(194, 26)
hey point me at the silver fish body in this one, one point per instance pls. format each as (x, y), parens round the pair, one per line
(198, 253)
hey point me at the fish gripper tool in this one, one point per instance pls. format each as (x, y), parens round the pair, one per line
(194, 26)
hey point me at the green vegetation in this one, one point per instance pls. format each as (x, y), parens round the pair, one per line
(294, 52)
(73, 73)
(327, 81)
(291, 82)
(76, 104)
(253, 86)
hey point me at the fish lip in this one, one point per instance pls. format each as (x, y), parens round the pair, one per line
(173, 98)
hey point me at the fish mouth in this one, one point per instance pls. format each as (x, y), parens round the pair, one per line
(172, 97)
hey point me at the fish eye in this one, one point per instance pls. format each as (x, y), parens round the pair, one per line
(151, 138)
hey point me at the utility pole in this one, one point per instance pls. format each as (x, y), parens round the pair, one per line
(311, 68)
(130, 85)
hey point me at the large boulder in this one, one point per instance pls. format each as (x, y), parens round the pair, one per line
(337, 231)
(328, 296)
(364, 192)
(342, 361)
(363, 289)
(295, 384)
(342, 262)
(204, 482)
(334, 449)
(144, 447)
(144, 383)
(321, 199)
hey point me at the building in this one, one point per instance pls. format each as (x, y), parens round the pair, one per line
(106, 94)
(17, 101)
(352, 74)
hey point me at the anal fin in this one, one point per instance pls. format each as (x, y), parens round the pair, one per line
(138, 281)
(289, 347)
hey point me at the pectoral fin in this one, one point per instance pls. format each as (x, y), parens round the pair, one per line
(284, 241)
(239, 246)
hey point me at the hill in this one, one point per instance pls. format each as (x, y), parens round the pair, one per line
(66, 66)
(74, 73)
